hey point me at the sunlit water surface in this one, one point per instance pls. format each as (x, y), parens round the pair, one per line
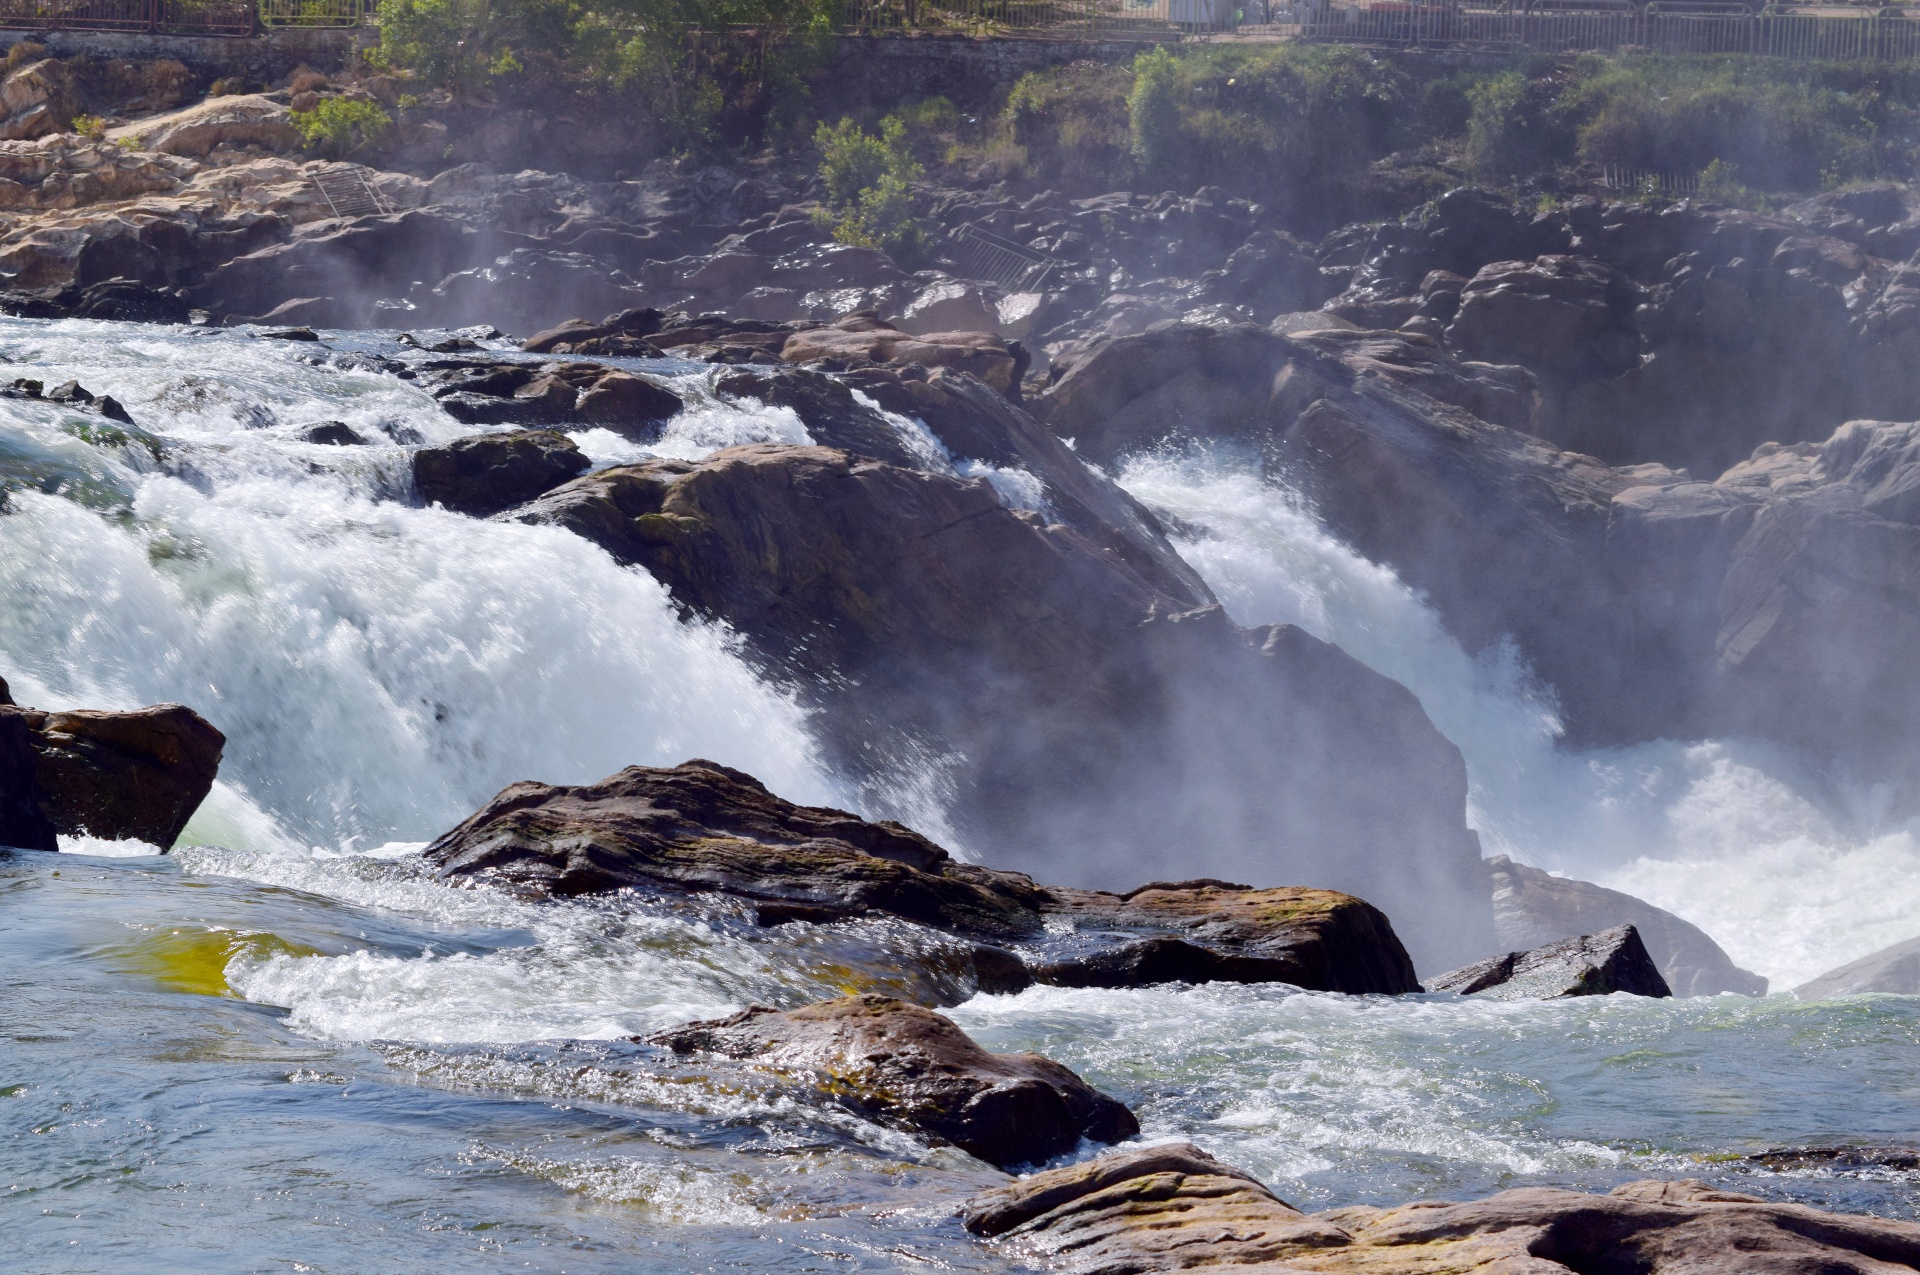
(284, 1048)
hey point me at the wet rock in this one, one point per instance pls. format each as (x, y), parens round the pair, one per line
(130, 301)
(826, 407)
(333, 434)
(1839, 1158)
(137, 775)
(578, 336)
(1567, 318)
(1532, 908)
(24, 823)
(488, 473)
(700, 826)
(1600, 964)
(528, 287)
(1174, 1208)
(1098, 712)
(1159, 1208)
(1213, 931)
(862, 338)
(1894, 970)
(950, 306)
(909, 1066)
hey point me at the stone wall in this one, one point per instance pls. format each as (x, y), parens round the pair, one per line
(263, 58)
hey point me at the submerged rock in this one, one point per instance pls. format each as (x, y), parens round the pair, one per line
(489, 473)
(1894, 969)
(701, 826)
(1213, 931)
(1591, 965)
(1174, 1208)
(1839, 1158)
(1531, 908)
(909, 1066)
(138, 775)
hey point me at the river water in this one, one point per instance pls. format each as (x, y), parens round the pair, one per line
(282, 1048)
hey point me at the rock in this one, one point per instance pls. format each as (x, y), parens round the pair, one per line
(1566, 318)
(828, 410)
(1894, 970)
(949, 306)
(911, 1067)
(130, 301)
(569, 336)
(1268, 275)
(488, 473)
(1160, 1208)
(333, 434)
(24, 823)
(117, 776)
(1532, 908)
(628, 405)
(236, 120)
(700, 826)
(1840, 1158)
(1600, 964)
(1095, 715)
(861, 338)
(529, 287)
(1213, 931)
(1174, 1208)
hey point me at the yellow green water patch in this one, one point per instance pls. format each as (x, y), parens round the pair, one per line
(195, 958)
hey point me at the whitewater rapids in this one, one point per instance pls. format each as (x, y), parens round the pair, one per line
(284, 1047)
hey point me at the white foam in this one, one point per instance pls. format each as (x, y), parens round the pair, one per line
(1729, 835)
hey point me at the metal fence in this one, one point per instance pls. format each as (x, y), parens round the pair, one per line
(179, 17)
(1682, 27)
(1047, 19)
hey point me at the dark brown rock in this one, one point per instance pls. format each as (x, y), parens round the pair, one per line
(909, 1066)
(629, 405)
(137, 775)
(1174, 1208)
(1213, 931)
(1532, 908)
(1591, 965)
(1101, 719)
(488, 473)
(701, 826)
(576, 332)
(23, 817)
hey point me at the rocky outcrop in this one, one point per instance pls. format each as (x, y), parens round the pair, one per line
(1214, 931)
(482, 391)
(1532, 908)
(489, 473)
(865, 339)
(911, 1067)
(247, 119)
(701, 826)
(117, 776)
(1095, 716)
(1590, 965)
(1894, 970)
(1174, 1208)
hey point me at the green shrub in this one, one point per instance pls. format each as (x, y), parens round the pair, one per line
(1515, 127)
(339, 126)
(869, 179)
(1153, 112)
(91, 127)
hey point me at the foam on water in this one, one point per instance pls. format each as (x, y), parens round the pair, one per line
(1771, 860)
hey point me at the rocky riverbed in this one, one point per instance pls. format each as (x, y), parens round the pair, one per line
(1114, 699)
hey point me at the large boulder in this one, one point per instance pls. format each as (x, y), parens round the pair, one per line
(136, 775)
(1174, 1208)
(862, 338)
(909, 1066)
(1214, 931)
(237, 120)
(701, 826)
(1894, 970)
(1094, 718)
(23, 818)
(1532, 908)
(489, 473)
(1600, 964)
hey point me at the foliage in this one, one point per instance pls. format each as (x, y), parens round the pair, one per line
(1514, 126)
(869, 182)
(91, 127)
(1153, 111)
(1720, 182)
(339, 126)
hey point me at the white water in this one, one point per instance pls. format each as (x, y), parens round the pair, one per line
(1789, 873)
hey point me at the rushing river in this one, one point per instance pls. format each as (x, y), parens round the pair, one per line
(282, 1048)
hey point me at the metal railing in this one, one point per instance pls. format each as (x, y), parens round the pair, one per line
(1606, 26)
(180, 17)
(981, 254)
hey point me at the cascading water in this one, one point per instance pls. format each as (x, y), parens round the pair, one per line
(1790, 871)
(285, 1047)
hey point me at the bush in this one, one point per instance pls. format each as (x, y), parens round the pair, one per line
(1515, 128)
(339, 126)
(1153, 112)
(869, 180)
(91, 127)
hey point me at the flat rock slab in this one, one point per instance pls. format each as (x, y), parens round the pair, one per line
(1174, 1208)
(910, 1066)
(1592, 965)
(702, 827)
(1215, 931)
